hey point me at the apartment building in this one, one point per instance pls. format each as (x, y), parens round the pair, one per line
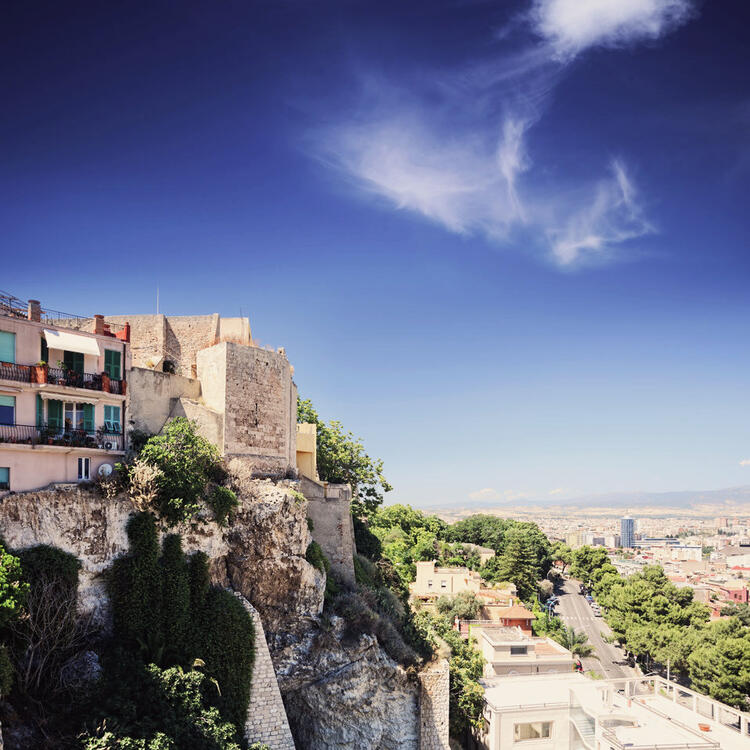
(510, 651)
(63, 386)
(432, 582)
(569, 711)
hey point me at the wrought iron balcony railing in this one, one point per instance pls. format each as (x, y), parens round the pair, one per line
(60, 376)
(52, 435)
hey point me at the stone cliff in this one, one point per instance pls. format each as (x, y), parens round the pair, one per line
(338, 693)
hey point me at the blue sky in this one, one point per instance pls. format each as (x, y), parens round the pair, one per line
(504, 242)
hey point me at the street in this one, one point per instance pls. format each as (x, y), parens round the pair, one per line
(575, 612)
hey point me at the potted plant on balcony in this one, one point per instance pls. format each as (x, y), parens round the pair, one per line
(39, 372)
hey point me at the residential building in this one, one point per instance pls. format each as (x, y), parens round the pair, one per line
(515, 616)
(569, 711)
(510, 651)
(63, 385)
(432, 582)
(627, 532)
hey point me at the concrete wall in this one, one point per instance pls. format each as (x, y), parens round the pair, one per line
(328, 506)
(210, 423)
(434, 702)
(266, 717)
(152, 396)
(307, 450)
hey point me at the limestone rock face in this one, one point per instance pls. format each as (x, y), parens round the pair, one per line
(344, 694)
(261, 555)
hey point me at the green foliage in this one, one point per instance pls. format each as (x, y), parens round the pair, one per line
(13, 588)
(517, 563)
(135, 589)
(165, 610)
(740, 611)
(463, 605)
(586, 562)
(341, 458)
(222, 502)
(314, 555)
(138, 439)
(187, 463)
(366, 542)
(143, 707)
(561, 553)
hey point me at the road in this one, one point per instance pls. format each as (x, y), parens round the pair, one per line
(575, 612)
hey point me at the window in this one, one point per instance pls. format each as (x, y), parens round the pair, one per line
(54, 415)
(4, 478)
(429, 584)
(443, 584)
(518, 650)
(7, 409)
(45, 351)
(112, 419)
(73, 361)
(112, 361)
(7, 346)
(78, 416)
(535, 730)
(84, 469)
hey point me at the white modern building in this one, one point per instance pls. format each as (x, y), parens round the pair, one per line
(510, 651)
(572, 712)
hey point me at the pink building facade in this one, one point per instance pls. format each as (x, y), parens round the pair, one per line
(63, 384)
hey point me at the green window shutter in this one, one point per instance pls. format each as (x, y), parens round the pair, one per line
(39, 411)
(88, 417)
(73, 361)
(112, 418)
(7, 346)
(112, 360)
(55, 414)
(45, 351)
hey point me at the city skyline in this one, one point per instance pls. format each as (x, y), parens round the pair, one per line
(501, 243)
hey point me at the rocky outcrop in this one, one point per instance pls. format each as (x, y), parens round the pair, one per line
(261, 554)
(341, 693)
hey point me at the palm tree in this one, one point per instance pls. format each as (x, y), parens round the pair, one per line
(576, 642)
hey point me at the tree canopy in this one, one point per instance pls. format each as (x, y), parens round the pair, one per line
(341, 458)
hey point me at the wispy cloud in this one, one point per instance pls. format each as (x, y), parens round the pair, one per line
(454, 147)
(572, 26)
(745, 462)
(557, 491)
(490, 494)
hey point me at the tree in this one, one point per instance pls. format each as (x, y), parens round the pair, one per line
(13, 589)
(586, 560)
(463, 605)
(562, 553)
(576, 642)
(342, 459)
(517, 565)
(187, 462)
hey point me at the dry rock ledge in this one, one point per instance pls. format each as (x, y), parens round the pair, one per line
(338, 694)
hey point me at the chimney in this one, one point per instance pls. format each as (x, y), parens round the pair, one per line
(99, 325)
(35, 311)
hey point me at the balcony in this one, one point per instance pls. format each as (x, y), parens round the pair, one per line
(22, 434)
(58, 376)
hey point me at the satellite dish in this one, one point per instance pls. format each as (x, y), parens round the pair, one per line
(105, 470)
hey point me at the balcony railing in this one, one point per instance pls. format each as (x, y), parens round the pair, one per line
(46, 435)
(60, 376)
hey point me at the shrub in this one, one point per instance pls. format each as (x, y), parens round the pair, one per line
(135, 587)
(367, 543)
(147, 708)
(175, 596)
(187, 463)
(222, 502)
(144, 481)
(315, 556)
(50, 631)
(138, 438)
(13, 589)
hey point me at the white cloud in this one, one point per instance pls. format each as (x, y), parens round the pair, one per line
(745, 462)
(557, 491)
(572, 26)
(610, 217)
(488, 493)
(454, 147)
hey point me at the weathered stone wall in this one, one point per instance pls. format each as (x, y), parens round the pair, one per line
(152, 396)
(209, 423)
(254, 389)
(434, 706)
(147, 337)
(328, 506)
(186, 335)
(266, 716)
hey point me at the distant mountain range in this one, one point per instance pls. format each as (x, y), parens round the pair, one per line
(687, 500)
